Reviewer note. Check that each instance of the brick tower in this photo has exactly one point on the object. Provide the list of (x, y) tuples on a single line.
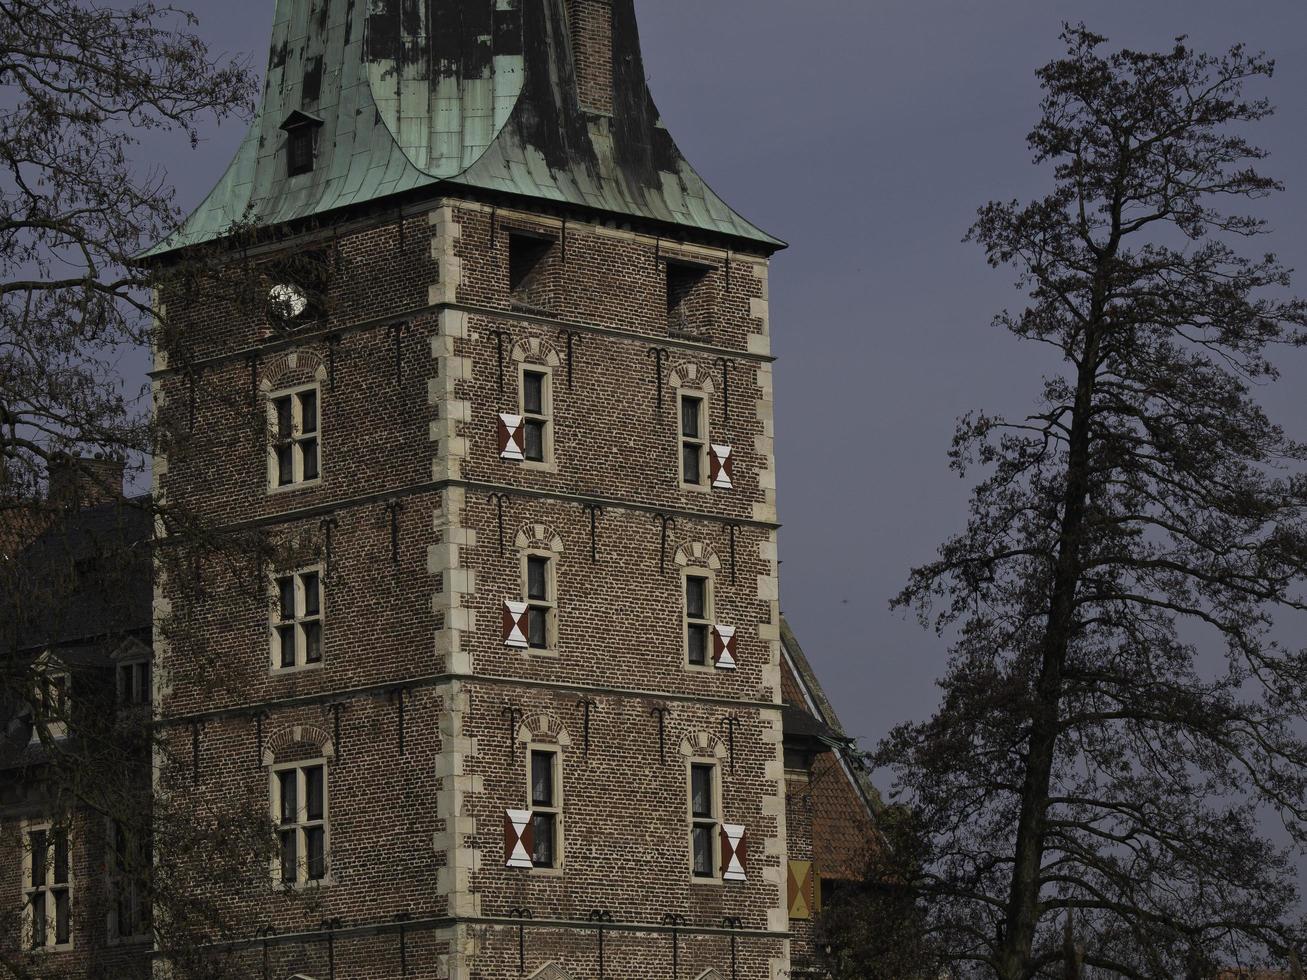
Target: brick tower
[(512, 694)]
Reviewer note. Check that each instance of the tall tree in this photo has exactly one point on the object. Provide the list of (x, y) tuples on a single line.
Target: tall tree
[(1117, 713), (82, 85), (83, 82)]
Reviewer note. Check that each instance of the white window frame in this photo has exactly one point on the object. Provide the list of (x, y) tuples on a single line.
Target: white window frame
[(300, 622), (545, 416), (549, 604), (136, 693), (709, 599), (118, 877), (298, 437), (555, 809), (48, 887), (702, 441), (302, 824), (715, 837)]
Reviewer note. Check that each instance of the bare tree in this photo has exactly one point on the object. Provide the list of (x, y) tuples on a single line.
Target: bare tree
[(83, 85), (1093, 753)]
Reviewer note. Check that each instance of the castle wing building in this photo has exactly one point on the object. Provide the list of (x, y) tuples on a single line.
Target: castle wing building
[(509, 684)]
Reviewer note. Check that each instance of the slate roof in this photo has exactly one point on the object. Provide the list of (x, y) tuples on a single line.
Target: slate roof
[(96, 562), (480, 94), (824, 723)]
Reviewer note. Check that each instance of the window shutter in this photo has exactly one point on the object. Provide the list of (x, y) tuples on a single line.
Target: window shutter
[(512, 440), (515, 615), (723, 647), (721, 467), (735, 853), (802, 885), (518, 839)]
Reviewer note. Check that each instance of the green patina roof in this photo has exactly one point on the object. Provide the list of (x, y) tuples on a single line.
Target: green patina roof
[(474, 93)]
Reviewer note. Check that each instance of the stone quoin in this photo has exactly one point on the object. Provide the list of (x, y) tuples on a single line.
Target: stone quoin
[(518, 697)]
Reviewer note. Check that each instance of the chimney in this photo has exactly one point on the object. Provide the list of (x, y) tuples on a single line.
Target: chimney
[(85, 482), (590, 29)]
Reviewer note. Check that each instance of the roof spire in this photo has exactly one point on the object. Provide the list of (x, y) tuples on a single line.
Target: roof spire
[(534, 99)]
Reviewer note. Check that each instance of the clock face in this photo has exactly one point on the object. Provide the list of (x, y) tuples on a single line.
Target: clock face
[(288, 301)]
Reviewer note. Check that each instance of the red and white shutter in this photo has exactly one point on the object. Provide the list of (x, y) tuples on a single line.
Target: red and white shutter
[(515, 616), (723, 647), (519, 839), (735, 853), (721, 467), (512, 439)]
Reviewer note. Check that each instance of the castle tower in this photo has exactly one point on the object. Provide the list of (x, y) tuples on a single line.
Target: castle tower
[(511, 690)]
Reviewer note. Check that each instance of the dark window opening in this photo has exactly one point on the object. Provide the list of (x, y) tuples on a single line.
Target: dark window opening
[(535, 415), (532, 270), (544, 808), (694, 446), (696, 620), (540, 602), (703, 813), (299, 150), (689, 298)]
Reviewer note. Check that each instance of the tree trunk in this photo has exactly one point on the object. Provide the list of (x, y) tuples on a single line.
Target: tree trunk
[(1023, 899)]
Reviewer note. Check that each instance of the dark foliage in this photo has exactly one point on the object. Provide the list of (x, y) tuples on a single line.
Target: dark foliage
[(1117, 715)]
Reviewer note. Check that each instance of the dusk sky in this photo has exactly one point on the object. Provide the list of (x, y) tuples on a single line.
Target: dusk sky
[(866, 133)]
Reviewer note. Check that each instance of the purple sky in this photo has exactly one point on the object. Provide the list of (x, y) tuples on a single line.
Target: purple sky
[(866, 134)]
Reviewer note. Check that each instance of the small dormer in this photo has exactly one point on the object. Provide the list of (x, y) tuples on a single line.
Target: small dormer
[(301, 131), (51, 681)]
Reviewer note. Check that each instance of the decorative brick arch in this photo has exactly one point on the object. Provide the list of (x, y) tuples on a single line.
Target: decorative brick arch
[(543, 727), (534, 350), (292, 368), (539, 537), (697, 554), (279, 743), (688, 374), (551, 971), (703, 745), (709, 975)]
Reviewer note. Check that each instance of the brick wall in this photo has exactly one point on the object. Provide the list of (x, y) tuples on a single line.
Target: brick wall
[(414, 595), (590, 23)]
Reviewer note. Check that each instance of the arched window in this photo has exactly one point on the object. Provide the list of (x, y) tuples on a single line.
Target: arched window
[(298, 765)]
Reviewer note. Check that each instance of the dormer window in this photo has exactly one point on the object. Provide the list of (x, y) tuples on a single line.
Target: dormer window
[(50, 700), (132, 674), (299, 151), (301, 142)]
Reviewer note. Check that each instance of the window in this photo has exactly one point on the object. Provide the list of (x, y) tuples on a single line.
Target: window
[(530, 261), (129, 868), (544, 808), (299, 150), (688, 302), (51, 703), (300, 809), (536, 410), (698, 619), (704, 822), (134, 684), (297, 626), (301, 131), (540, 602), (694, 441), (47, 886), (293, 458)]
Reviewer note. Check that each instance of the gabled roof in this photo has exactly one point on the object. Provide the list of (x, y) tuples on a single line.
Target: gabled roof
[(828, 727), (474, 93)]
